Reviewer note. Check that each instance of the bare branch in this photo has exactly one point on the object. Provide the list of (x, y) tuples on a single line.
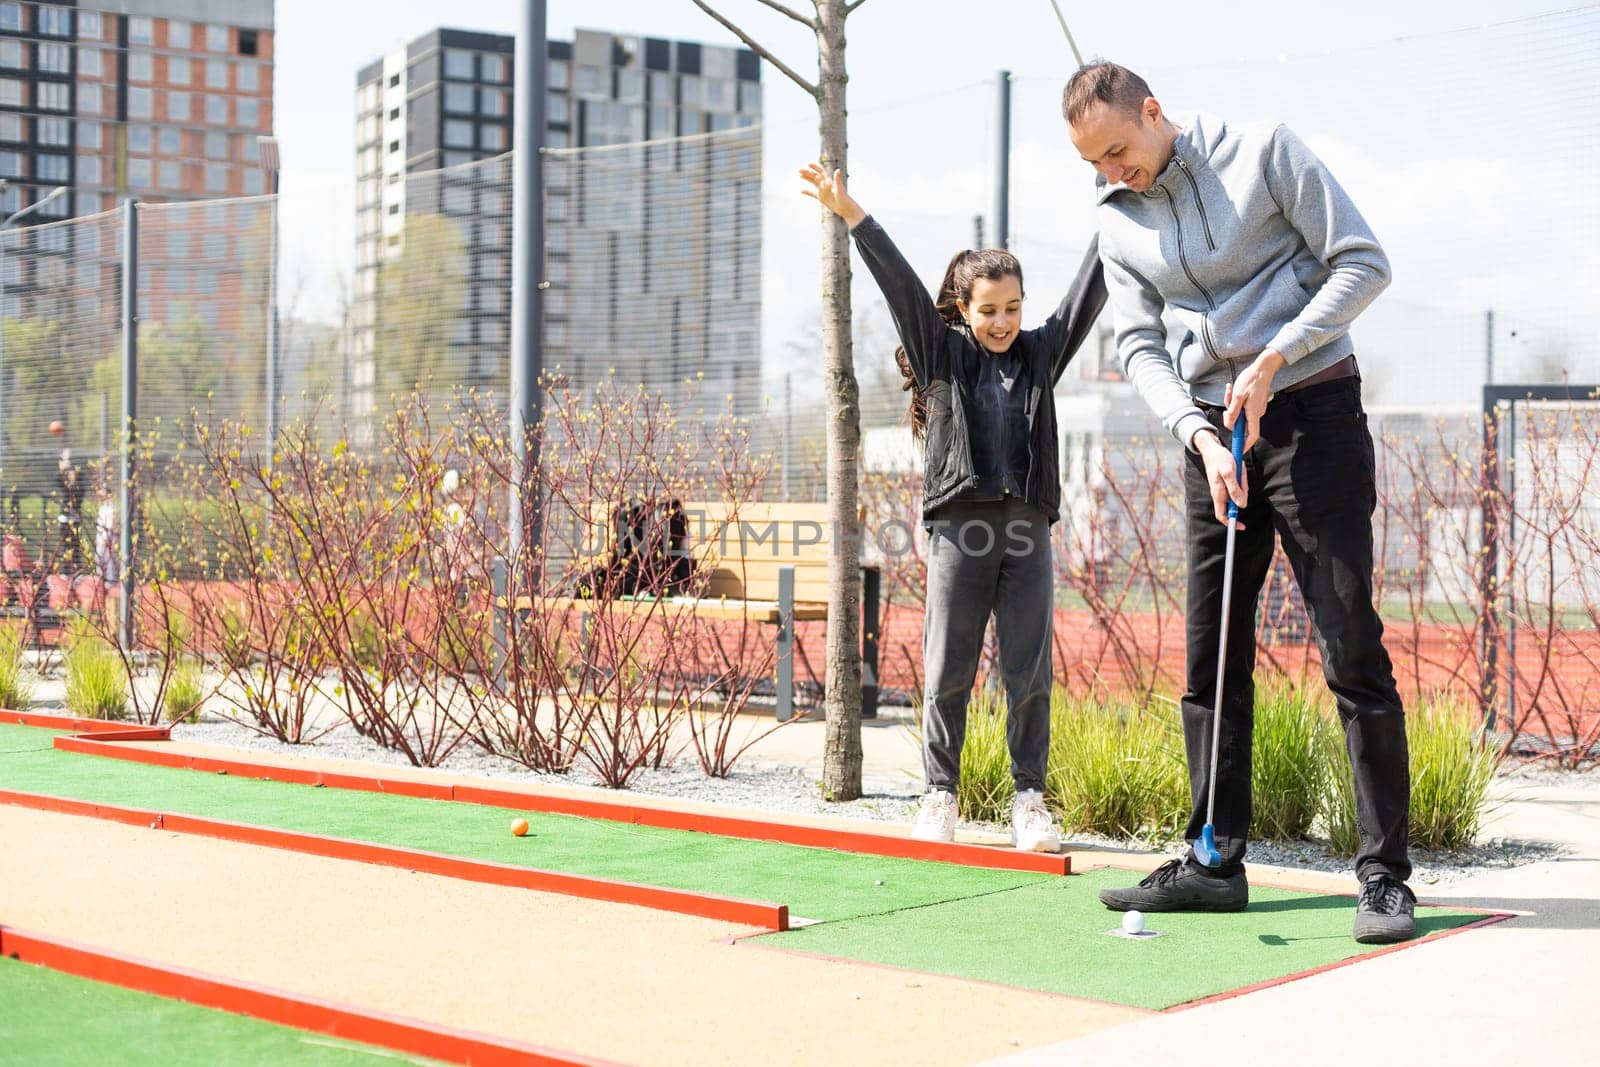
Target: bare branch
[(784, 9), (759, 50), (852, 5)]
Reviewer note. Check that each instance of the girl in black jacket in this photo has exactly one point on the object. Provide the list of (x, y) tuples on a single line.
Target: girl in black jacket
[(983, 403)]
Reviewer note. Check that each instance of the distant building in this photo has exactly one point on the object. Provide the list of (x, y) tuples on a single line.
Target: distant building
[(653, 253)]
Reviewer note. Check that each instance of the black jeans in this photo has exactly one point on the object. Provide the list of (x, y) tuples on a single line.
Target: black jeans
[(1311, 479)]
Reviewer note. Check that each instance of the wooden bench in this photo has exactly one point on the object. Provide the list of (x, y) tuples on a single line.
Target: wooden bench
[(768, 563)]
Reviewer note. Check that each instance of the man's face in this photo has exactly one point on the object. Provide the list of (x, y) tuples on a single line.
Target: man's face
[(1130, 149)]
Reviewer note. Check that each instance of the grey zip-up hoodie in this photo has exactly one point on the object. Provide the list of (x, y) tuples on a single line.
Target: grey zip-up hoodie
[(1251, 242)]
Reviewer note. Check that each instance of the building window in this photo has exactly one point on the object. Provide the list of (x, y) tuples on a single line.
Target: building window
[(247, 77), (52, 167), (91, 62), (177, 33), (141, 30), (454, 159), (54, 132), (555, 108), (254, 182), (589, 82), (458, 64), (688, 91), (55, 21), (394, 146), (492, 137), (89, 25), (140, 138), (216, 178), (13, 55), (88, 134), (178, 70), (558, 74), (171, 174), (630, 85), (90, 100), (216, 38), (663, 122), (750, 97), (217, 110), (140, 103), (141, 67), (11, 17), (492, 102), (557, 139), (216, 146), (170, 141), (178, 244), (11, 127), (251, 149), (55, 96), (178, 107), (493, 68), (249, 43), (457, 98), (88, 170), (458, 134), (11, 166), (394, 81), (139, 173), (55, 58), (247, 113), (216, 74)]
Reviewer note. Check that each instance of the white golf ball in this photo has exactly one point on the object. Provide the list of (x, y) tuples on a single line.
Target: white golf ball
[(1133, 922)]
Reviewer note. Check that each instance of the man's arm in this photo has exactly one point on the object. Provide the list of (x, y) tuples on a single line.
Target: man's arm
[(1334, 231), (1142, 346)]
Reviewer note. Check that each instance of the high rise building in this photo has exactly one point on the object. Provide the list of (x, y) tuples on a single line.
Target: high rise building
[(653, 249), (162, 100), (159, 99)]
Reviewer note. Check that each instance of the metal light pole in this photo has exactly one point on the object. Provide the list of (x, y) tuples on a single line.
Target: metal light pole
[(271, 164), (1002, 160), (527, 279), (54, 194)]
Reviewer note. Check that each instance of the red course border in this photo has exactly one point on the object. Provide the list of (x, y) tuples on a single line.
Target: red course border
[(773, 917), (101, 743), (276, 1006)]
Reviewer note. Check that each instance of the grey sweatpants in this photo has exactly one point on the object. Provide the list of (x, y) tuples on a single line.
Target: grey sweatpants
[(987, 559)]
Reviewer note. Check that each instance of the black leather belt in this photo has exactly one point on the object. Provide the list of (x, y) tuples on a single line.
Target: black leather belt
[(1345, 368)]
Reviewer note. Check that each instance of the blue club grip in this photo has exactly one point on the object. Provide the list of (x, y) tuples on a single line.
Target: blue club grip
[(1238, 460)]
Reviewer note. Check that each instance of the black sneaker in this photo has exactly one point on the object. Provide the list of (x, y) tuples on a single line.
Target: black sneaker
[(1178, 886), (1384, 912)]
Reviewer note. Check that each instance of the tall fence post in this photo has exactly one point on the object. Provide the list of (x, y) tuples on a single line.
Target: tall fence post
[(130, 406), (1002, 160)]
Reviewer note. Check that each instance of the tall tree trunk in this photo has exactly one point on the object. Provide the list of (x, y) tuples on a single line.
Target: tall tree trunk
[(841, 758)]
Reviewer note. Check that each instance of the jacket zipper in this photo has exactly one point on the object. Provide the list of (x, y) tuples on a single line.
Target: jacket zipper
[(1205, 321), (1205, 223)]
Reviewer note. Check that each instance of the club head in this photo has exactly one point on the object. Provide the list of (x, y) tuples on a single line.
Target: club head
[(1205, 849)]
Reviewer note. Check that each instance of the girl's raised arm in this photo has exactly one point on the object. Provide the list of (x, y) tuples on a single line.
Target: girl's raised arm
[(916, 319)]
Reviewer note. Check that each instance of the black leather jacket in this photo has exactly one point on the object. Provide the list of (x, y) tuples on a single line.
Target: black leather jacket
[(944, 359)]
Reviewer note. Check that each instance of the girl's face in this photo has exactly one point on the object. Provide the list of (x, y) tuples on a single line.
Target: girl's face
[(994, 312)]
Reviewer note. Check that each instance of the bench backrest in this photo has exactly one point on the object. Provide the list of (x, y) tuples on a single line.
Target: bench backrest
[(744, 547)]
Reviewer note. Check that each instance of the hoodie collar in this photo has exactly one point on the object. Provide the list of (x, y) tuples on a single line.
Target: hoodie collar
[(1198, 135)]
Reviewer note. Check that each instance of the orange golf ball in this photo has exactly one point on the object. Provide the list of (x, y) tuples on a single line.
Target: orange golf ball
[(519, 827)]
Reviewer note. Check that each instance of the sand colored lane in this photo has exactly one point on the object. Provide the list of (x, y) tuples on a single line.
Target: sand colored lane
[(604, 980)]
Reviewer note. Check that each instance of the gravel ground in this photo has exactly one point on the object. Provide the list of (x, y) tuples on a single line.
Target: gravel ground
[(794, 790)]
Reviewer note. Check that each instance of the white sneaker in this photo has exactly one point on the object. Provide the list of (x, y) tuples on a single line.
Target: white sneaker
[(936, 819), (1033, 829)]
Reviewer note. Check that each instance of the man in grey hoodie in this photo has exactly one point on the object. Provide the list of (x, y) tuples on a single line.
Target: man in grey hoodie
[(1243, 236)]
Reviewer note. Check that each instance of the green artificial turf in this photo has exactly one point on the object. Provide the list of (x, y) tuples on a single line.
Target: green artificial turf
[(1053, 937), (1029, 930), (48, 1018), (815, 883)]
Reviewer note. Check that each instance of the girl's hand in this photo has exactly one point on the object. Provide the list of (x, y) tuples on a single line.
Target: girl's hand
[(829, 190)]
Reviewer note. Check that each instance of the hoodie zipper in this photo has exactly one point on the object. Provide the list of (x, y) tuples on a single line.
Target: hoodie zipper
[(1205, 223), (1205, 321)]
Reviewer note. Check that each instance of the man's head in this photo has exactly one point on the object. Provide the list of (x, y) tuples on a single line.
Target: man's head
[(1117, 125)]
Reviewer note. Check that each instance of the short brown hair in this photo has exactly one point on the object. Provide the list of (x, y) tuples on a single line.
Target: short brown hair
[(1107, 83)]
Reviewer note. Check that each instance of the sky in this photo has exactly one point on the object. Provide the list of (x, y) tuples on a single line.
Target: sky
[(1442, 169)]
